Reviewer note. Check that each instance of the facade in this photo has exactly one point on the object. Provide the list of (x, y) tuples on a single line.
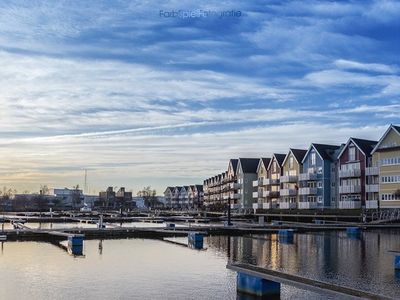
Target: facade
[(246, 174), (195, 196), (260, 195), (169, 195), (231, 186), (386, 158), (274, 173), (318, 180), (353, 160), (292, 167)]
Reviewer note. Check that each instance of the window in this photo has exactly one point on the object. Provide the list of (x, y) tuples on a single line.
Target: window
[(352, 153), (313, 158), (291, 162), (320, 184), (274, 167)]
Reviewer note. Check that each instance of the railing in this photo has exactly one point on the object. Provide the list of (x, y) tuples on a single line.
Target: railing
[(255, 183), (386, 215), (307, 205), (308, 176), (370, 171), (349, 189), (287, 205), (289, 178), (350, 173), (372, 188), (371, 204), (288, 192), (349, 204), (308, 191), (255, 194)]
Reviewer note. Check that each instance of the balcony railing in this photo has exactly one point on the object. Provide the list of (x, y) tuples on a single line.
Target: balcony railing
[(350, 189), (257, 205), (287, 205), (289, 178), (372, 188), (350, 173), (273, 194), (308, 191), (349, 204), (371, 204), (265, 194), (288, 192), (371, 171), (262, 181), (308, 176), (255, 194), (255, 183), (237, 195), (307, 205)]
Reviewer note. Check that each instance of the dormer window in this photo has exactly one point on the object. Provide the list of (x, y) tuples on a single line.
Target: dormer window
[(313, 158)]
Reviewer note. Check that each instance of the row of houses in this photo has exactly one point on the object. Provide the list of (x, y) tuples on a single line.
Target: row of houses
[(359, 174), (184, 197)]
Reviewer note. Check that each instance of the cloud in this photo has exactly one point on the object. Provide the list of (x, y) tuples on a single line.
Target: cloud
[(353, 65)]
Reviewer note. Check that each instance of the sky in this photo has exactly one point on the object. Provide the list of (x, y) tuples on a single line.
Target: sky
[(141, 93)]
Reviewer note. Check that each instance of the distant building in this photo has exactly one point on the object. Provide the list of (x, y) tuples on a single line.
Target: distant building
[(68, 198), (110, 199)]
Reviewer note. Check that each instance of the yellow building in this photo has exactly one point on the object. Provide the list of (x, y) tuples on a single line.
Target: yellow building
[(386, 156)]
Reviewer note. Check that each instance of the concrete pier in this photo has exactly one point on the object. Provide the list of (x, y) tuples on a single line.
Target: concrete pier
[(75, 244), (257, 286)]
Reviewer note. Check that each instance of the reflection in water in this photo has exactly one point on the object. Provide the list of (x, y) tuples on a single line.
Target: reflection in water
[(362, 263), (101, 247)]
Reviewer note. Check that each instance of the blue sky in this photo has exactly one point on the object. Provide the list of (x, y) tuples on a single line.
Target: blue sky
[(142, 99)]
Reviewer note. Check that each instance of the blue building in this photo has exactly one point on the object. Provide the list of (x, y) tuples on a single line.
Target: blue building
[(318, 179)]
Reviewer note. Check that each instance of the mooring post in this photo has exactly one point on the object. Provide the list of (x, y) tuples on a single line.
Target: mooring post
[(195, 240), (256, 286)]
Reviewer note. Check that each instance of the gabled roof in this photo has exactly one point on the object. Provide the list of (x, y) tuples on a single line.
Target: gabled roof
[(234, 163), (264, 161), (394, 127), (278, 157), (171, 188), (365, 146), (326, 152), (297, 153), (249, 165), (199, 187)]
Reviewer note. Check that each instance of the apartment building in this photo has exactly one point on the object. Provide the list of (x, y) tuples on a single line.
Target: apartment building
[(260, 195), (274, 173), (386, 157), (353, 160), (318, 180), (246, 174), (195, 196), (289, 190)]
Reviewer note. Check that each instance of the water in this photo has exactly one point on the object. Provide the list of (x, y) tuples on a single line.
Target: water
[(152, 269)]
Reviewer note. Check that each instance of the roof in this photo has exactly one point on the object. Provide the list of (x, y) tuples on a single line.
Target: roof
[(278, 157), (326, 151), (265, 161), (234, 163), (249, 165), (394, 127), (366, 146), (297, 153)]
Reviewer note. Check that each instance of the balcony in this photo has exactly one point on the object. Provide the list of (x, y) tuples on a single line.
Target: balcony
[(273, 194), (255, 195), (288, 192), (371, 171), (287, 205), (236, 185), (308, 205), (308, 191), (265, 194), (372, 188), (255, 183), (350, 204), (235, 206), (308, 176), (225, 197), (237, 195), (289, 178), (350, 189), (371, 204), (262, 181), (257, 205), (266, 205), (349, 173)]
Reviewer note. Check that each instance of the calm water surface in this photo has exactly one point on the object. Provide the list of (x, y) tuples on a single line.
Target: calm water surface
[(152, 269)]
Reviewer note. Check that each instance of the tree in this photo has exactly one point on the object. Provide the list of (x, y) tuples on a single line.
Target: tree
[(149, 196)]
